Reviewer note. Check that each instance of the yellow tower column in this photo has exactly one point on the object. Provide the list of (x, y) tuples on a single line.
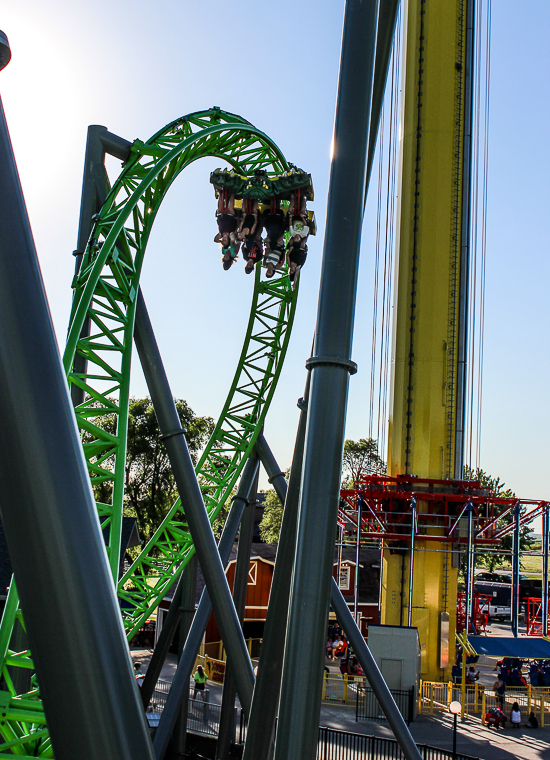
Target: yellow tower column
[(424, 355)]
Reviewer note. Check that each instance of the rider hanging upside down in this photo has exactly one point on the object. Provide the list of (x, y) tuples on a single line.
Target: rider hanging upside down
[(275, 241), (297, 245), (230, 251), (252, 253), (250, 232), (249, 221), (225, 216)]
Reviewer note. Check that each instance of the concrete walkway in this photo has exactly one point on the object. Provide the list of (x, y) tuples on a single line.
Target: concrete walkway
[(437, 731)]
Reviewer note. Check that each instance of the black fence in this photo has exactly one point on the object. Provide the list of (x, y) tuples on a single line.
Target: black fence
[(341, 745), (367, 706), (203, 717)]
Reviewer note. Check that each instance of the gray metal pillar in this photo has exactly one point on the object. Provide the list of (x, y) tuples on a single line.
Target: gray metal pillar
[(240, 587), (357, 558), (395, 719), (191, 496), (469, 584), (187, 612), (373, 674), (515, 571), (180, 684), (162, 646), (330, 365), (411, 561), (95, 188), (52, 529), (545, 546), (261, 725), (172, 619), (375, 678)]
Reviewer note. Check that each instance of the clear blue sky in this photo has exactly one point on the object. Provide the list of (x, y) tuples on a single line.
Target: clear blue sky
[(135, 66)]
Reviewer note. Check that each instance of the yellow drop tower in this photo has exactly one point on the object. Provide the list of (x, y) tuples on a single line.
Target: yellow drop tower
[(425, 402)]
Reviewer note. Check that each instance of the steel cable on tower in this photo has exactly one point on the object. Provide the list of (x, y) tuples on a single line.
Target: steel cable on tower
[(484, 231), (389, 240), (376, 272)]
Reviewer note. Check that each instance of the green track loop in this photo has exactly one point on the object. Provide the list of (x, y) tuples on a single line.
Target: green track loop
[(105, 293)]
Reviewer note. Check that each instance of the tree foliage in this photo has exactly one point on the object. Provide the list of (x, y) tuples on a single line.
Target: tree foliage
[(150, 489), (270, 526), (494, 560), (361, 457)]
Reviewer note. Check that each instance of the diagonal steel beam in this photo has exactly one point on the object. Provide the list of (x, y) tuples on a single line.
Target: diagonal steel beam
[(191, 496), (370, 668), (330, 366), (259, 736), (52, 528), (180, 685)]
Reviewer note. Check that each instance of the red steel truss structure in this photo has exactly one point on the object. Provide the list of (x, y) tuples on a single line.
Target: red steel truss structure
[(389, 505)]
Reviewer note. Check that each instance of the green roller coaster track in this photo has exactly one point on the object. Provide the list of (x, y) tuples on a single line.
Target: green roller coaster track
[(101, 330)]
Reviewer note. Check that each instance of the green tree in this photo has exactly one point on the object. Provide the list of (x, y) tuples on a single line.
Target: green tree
[(150, 489), (270, 526), (494, 560), (361, 457)]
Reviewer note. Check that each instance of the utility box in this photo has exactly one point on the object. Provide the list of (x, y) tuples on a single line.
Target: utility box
[(396, 650)]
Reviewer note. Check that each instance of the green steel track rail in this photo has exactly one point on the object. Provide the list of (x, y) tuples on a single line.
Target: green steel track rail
[(105, 291)]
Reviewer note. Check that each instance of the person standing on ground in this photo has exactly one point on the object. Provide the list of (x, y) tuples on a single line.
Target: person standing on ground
[(499, 687), (139, 676), (515, 716), (200, 681)]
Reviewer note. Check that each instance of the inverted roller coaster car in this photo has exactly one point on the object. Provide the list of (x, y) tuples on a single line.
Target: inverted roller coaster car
[(262, 187), (263, 208)]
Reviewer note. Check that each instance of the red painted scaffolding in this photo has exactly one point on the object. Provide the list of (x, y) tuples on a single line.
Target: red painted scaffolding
[(388, 504), (533, 617)]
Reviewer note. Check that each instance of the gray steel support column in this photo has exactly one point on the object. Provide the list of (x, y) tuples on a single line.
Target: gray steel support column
[(240, 587), (411, 561), (469, 579), (180, 684), (373, 674), (162, 646), (345, 618), (357, 558), (187, 612), (261, 725), (330, 365), (191, 496), (95, 188), (515, 571), (545, 546), (50, 519), (463, 303), (387, 17), (172, 619)]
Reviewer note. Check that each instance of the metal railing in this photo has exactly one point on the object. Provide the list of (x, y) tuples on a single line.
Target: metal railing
[(346, 746), (341, 689), (480, 699), (367, 706), (203, 717), (216, 651)]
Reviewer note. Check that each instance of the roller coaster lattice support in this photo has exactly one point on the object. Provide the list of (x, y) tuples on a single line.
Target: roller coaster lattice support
[(105, 295)]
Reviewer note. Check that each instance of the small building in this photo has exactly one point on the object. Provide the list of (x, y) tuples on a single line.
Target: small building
[(368, 581)]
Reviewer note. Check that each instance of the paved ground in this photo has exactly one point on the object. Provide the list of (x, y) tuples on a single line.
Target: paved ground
[(472, 738), (437, 730)]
